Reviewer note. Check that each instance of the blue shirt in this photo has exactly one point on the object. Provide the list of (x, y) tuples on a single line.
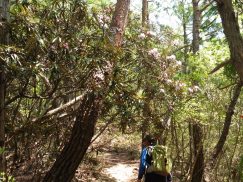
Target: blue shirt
[(143, 163)]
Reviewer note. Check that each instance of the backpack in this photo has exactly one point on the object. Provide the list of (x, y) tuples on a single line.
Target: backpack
[(158, 160)]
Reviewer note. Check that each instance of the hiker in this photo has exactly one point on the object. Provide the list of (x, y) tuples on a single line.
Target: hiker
[(145, 162)]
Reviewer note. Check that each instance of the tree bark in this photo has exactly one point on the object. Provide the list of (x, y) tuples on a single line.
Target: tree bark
[(228, 119), (145, 14), (71, 156), (119, 21), (197, 132), (146, 106), (198, 167), (185, 37), (196, 26), (63, 170), (4, 40), (232, 33)]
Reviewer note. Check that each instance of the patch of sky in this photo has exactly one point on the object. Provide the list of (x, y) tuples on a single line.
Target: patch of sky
[(160, 12)]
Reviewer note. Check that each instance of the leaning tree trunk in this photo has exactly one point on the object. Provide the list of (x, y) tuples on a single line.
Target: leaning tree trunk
[(220, 144), (232, 33), (64, 168), (4, 5), (228, 118), (71, 156), (197, 132)]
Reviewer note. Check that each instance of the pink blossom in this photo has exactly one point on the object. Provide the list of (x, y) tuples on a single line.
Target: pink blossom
[(196, 88), (171, 57), (165, 75), (154, 52), (162, 90), (190, 90), (179, 63), (65, 45), (142, 36), (99, 75), (182, 84), (151, 33), (168, 81)]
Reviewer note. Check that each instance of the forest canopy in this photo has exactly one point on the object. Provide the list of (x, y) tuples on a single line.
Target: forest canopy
[(71, 70)]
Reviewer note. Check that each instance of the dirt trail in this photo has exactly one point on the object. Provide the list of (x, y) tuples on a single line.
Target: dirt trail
[(121, 167)]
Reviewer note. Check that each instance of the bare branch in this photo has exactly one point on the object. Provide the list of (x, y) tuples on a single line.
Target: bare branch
[(104, 128), (59, 109), (46, 81), (180, 48), (220, 66)]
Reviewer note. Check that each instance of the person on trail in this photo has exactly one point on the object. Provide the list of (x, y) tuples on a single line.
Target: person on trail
[(145, 162)]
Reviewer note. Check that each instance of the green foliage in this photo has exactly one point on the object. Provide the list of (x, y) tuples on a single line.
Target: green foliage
[(2, 150), (4, 177), (241, 168), (62, 49), (230, 71), (183, 11)]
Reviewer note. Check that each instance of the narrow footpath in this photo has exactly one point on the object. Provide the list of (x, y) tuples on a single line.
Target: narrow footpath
[(121, 167)]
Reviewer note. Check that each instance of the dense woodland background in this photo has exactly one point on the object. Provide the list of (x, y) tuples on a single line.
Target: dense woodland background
[(73, 69)]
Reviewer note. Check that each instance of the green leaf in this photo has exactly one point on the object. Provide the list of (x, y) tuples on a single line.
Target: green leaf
[(33, 20), (2, 149)]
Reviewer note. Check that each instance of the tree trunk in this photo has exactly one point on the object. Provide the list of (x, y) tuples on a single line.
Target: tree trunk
[(185, 37), (235, 41), (232, 33), (2, 118), (197, 132), (119, 21), (228, 118), (145, 14), (196, 26), (4, 39), (71, 156), (146, 106), (219, 146), (198, 167)]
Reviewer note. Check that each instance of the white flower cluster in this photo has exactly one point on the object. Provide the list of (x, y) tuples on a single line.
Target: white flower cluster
[(154, 53), (146, 34), (171, 58), (151, 33), (168, 81), (162, 90), (179, 85), (178, 63), (194, 89), (142, 36), (104, 20), (99, 75)]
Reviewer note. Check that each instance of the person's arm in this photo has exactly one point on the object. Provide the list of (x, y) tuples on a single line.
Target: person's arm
[(142, 165)]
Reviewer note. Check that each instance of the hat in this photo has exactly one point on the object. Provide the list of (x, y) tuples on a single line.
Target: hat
[(147, 138)]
